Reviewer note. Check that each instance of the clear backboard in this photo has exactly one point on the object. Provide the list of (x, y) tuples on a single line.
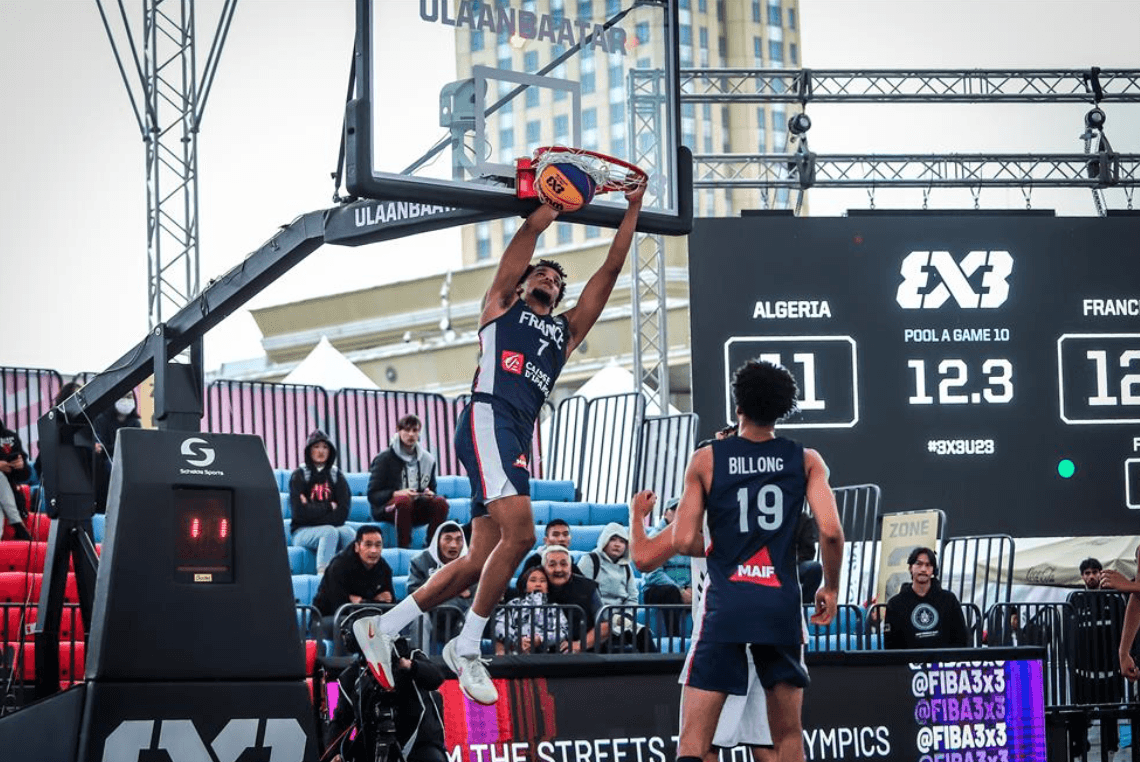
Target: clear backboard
[(450, 93)]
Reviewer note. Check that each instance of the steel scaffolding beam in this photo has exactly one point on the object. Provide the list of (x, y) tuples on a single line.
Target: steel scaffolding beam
[(910, 86)]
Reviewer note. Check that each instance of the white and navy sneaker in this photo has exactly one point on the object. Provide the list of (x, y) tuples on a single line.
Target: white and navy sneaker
[(474, 679)]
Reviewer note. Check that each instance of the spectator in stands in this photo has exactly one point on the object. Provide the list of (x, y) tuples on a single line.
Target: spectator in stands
[(569, 589), (670, 583), (609, 566), (123, 415), (530, 623), (14, 467), (923, 615), (557, 533), (447, 544), (358, 574), (319, 499), (810, 570), (1005, 627), (1090, 573), (401, 488)]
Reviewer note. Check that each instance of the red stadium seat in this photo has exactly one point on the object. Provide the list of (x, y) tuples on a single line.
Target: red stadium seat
[(310, 656), (72, 666), (22, 556), (70, 623), (20, 587)]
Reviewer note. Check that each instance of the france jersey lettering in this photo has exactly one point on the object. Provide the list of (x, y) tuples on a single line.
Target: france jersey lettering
[(753, 590), (521, 354)]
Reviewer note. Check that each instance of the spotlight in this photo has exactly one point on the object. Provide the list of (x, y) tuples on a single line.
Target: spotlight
[(1095, 119), (801, 123)]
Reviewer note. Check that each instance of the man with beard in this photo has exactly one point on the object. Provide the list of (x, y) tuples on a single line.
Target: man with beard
[(923, 615), (523, 347)]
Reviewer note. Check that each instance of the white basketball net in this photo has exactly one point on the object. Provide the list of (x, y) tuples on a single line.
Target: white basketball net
[(605, 174)]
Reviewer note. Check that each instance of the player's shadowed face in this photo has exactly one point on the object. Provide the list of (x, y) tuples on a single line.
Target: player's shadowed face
[(369, 547)]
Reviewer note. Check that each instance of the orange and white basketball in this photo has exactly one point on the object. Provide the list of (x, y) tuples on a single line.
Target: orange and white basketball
[(564, 187)]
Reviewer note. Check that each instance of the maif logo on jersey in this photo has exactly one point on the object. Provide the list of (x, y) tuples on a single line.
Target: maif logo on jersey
[(513, 362), (930, 278), (757, 570)]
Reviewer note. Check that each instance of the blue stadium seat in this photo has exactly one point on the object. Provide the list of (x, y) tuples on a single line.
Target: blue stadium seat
[(285, 511), (301, 560), (358, 483), (541, 510), (555, 490), (453, 486), (360, 511), (585, 538), (399, 559), (419, 537), (459, 509), (305, 587), (388, 532), (282, 475), (400, 587), (604, 513), (574, 514), (288, 532), (98, 527)]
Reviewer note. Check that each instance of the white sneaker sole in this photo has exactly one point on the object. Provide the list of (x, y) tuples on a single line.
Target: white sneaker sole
[(452, 662)]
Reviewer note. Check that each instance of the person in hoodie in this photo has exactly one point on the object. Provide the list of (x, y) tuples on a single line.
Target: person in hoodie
[(401, 487), (923, 615), (319, 499), (14, 469), (609, 566), (447, 544)]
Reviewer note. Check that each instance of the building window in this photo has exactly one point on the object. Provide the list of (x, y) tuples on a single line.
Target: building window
[(707, 126), (724, 132), (791, 18), (704, 38), (641, 31), (483, 241), (587, 67), (585, 9), (794, 53), (593, 231), (779, 129), (685, 5), (530, 61), (476, 40), (612, 7), (565, 233), (776, 53), (532, 97), (775, 17), (617, 146), (510, 225), (781, 197), (507, 145), (756, 11), (722, 48), (533, 135), (703, 6), (757, 52), (590, 129), (761, 130), (689, 125), (562, 130)]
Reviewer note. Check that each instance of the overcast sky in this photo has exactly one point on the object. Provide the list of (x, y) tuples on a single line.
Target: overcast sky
[(72, 194)]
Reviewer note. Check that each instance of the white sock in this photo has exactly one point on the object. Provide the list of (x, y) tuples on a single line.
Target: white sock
[(400, 616), (470, 640)]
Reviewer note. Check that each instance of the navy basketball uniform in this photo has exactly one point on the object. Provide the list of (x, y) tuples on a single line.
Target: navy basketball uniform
[(752, 592), (521, 354)]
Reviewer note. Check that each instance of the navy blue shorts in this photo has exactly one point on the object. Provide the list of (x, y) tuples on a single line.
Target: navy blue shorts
[(723, 667), (495, 452)]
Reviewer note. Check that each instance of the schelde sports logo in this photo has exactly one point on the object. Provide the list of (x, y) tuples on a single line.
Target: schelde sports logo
[(978, 281), (197, 452), (513, 363)]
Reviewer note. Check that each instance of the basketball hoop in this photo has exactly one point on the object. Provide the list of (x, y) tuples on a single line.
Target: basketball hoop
[(608, 172)]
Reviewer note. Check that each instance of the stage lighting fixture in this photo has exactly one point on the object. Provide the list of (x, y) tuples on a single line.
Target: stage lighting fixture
[(799, 124), (1095, 119)]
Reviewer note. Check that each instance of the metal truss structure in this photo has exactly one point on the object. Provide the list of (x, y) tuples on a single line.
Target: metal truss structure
[(168, 108)]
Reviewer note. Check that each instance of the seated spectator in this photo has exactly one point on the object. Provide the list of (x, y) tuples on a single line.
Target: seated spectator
[(401, 487), (923, 615), (319, 499), (1090, 573), (123, 415), (14, 467), (445, 546), (569, 589), (530, 623), (358, 574), (609, 566), (557, 533), (810, 570), (670, 583)]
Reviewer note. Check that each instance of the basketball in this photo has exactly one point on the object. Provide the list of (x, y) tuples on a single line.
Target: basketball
[(564, 187)]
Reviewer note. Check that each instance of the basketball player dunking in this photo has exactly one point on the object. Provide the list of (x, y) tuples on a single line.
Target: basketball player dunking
[(523, 347), (748, 490)]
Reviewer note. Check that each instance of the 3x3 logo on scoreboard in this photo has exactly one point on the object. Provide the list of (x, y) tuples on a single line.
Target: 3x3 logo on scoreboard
[(826, 369)]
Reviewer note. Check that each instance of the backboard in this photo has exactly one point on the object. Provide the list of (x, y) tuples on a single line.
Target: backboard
[(450, 93)]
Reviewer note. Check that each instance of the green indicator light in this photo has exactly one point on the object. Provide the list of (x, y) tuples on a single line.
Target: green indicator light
[(1066, 468)]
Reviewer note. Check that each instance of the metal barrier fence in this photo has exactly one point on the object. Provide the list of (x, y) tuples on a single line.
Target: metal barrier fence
[(1036, 624), (859, 515), (25, 395), (595, 445), (643, 629), (666, 444), (17, 650), (978, 568), (283, 415), (364, 422)]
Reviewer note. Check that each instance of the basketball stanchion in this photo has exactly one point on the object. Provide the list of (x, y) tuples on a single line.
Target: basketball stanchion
[(569, 178)]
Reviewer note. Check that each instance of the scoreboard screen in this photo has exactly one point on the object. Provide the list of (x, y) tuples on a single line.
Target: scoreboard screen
[(984, 364)]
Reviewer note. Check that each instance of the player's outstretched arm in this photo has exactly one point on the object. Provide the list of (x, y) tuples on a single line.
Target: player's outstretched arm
[(822, 502), (647, 553), (687, 537), (597, 291), (501, 295)]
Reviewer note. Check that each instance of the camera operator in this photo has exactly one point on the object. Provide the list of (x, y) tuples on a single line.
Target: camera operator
[(402, 725)]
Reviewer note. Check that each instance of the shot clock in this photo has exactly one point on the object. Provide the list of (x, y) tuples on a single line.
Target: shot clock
[(984, 364)]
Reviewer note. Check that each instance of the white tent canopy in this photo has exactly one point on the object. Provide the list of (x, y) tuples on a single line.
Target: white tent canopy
[(614, 379), (326, 366)]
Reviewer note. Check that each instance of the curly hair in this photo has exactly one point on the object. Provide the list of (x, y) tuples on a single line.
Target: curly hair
[(764, 392), (553, 266)]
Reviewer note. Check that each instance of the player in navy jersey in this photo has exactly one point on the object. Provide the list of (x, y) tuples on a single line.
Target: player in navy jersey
[(741, 500), (523, 347)]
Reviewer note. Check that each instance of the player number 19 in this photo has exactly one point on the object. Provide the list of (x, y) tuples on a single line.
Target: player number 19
[(769, 501)]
